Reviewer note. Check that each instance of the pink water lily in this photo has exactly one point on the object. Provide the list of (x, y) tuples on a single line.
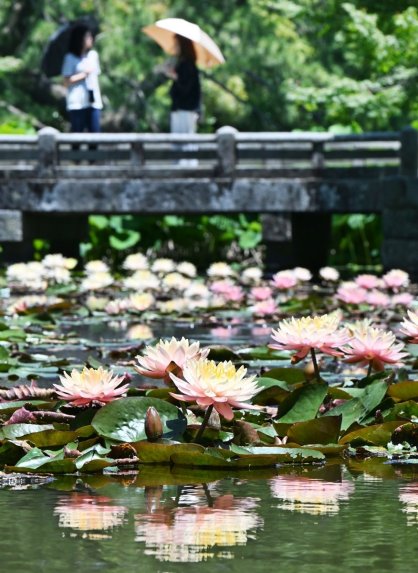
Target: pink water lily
[(89, 386), (320, 333), (219, 385), (409, 326), (168, 355), (373, 347)]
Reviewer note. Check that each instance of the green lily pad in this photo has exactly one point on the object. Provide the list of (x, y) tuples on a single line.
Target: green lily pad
[(155, 453), (323, 430), (404, 390), (124, 419), (303, 403), (376, 435)]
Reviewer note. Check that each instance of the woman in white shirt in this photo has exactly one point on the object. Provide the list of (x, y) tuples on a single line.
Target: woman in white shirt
[(81, 69)]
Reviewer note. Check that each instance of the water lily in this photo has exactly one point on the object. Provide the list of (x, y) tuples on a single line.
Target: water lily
[(284, 280), (187, 269), (396, 279), (215, 385), (163, 266), (350, 293), (409, 326), (89, 386), (310, 334), (373, 347), (159, 360), (367, 281), (135, 262), (329, 274), (220, 270)]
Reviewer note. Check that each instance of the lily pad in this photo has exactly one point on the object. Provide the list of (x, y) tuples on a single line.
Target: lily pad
[(155, 453), (124, 419), (303, 403), (323, 430)]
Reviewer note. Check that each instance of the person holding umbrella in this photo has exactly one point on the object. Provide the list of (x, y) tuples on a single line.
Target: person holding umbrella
[(192, 47), (185, 90), (81, 70)]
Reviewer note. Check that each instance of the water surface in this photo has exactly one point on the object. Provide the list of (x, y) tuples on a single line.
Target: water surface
[(291, 519)]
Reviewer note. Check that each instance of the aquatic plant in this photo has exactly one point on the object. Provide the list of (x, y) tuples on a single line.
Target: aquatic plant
[(90, 386)]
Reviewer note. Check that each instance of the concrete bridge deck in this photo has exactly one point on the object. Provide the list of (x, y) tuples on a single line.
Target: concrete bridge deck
[(58, 174)]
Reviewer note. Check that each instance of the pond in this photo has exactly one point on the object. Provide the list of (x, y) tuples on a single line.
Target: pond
[(315, 470), (363, 516)]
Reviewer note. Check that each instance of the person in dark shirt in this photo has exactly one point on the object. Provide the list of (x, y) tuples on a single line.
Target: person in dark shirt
[(185, 90)]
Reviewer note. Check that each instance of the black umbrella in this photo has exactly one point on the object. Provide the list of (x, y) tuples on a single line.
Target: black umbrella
[(57, 45)]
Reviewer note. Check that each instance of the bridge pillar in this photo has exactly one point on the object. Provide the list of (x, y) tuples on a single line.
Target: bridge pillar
[(400, 210)]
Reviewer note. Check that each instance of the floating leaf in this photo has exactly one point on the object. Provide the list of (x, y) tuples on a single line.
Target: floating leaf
[(404, 390), (376, 435), (288, 375), (303, 403), (124, 419), (323, 430), (156, 453)]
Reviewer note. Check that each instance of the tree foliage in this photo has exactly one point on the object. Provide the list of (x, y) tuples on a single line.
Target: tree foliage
[(291, 64)]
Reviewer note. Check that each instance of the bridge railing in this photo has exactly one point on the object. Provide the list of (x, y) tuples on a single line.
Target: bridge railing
[(225, 153)]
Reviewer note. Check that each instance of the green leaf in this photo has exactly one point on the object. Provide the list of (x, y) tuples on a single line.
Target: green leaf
[(376, 435), (288, 375), (50, 438), (303, 403), (404, 390), (323, 430), (124, 419), (159, 453), (271, 391), (18, 430)]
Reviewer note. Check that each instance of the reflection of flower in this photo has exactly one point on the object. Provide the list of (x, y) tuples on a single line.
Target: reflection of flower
[(140, 332), (409, 496), (373, 346), (307, 495), (140, 302), (89, 513), (319, 332), (90, 385), (220, 385), (157, 359), (195, 534)]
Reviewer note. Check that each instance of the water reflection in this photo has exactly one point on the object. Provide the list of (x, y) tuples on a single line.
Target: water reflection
[(313, 496), (408, 495), (89, 514), (200, 526)]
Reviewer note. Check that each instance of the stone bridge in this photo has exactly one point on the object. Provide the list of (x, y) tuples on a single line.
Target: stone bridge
[(51, 182)]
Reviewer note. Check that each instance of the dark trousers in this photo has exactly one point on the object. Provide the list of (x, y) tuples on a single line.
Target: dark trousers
[(87, 119)]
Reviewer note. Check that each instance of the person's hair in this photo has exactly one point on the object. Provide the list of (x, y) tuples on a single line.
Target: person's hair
[(186, 48), (76, 43)]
